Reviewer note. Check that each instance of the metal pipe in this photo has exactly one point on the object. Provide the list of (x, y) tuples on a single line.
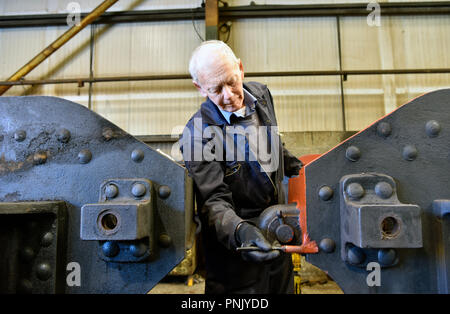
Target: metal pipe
[(82, 81), (236, 12), (27, 68)]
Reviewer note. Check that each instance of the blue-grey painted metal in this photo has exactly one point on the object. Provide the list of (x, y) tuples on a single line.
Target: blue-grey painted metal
[(381, 202), (55, 150)]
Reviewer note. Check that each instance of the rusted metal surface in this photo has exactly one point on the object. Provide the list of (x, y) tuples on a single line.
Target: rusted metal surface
[(55, 150)]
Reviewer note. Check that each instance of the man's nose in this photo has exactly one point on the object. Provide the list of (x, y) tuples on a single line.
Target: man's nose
[(227, 92)]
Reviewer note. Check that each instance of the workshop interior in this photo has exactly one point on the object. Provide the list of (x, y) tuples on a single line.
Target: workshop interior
[(94, 95)]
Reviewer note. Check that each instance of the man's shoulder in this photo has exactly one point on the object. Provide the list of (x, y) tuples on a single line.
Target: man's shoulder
[(255, 87)]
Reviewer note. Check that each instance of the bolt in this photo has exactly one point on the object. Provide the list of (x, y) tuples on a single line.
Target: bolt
[(384, 129), (355, 190), (63, 135), (111, 190), (39, 158), (137, 155), (27, 254), (20, 135), (138, 249), (383, 189), (44, 271), (325, 193), (284, 233), (353, 153), (327, 245), (138, 190), (85, 156), (164, 240), (355, 255), (164, 191), (409, 152), (47, 239), (386, 256), (432, 128), (110, 248)]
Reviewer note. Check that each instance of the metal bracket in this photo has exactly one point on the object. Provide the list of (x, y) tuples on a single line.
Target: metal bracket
[(372, 217), (122, 221)]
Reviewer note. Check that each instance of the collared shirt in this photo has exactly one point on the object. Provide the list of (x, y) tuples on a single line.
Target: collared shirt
[(247, 109)]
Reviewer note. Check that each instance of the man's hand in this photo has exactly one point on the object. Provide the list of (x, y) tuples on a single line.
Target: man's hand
[(249, 235)]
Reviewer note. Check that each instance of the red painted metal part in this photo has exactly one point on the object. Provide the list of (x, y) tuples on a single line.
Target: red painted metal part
[(297, 194)]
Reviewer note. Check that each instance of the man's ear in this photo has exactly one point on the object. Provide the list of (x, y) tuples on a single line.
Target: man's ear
[(200, 89), (241, 67)]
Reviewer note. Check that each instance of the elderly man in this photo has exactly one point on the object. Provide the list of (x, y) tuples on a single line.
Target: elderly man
[(233, 152)]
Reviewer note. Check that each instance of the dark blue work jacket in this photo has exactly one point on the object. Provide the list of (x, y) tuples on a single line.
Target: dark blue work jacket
[(230, 190)]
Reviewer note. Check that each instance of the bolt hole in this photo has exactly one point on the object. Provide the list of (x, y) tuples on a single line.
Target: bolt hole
[(390, 227), (109, 222)]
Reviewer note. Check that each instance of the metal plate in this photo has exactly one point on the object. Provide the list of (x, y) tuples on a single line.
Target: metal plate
[(54, 149), (411, 146)]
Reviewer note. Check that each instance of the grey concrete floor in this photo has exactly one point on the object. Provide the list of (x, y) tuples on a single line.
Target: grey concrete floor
[(313, 281)]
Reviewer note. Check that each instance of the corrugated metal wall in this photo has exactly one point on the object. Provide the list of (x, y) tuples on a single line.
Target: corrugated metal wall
[(311, 103)]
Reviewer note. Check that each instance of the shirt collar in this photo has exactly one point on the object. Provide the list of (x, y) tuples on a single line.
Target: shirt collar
[(249, 102)]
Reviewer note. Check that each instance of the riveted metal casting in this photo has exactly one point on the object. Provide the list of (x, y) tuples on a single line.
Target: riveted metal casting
[(390, 204), (115, 203)]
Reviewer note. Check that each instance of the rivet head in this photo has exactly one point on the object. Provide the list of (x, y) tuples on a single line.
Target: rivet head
[(111, 190), (47, 239), (164, 191), (85, 156), (383, 189), (138, 189), (327, 245), (138, 249), (44, 271), (409, 152), (432, 128), (20, 135), (384, 129), (325, 193), (353, 153), (355, 190), (39, 158), (110, 248), (27, 254), (355, 255), (386, 256), (137, 155), (63, 135), (164, 240)]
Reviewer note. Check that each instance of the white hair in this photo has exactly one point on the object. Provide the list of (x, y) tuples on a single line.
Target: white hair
[(207, 51)]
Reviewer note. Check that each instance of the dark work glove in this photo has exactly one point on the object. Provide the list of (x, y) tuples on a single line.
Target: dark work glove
[(249, 235), (292, 165)]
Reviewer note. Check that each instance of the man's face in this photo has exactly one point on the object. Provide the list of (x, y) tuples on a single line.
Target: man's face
[(222, 83)]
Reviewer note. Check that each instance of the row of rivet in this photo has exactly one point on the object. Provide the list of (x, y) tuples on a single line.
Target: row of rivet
[(43, 269), (356, 255), (112, 248), (138, 190), (356, 191), (409, 152)]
